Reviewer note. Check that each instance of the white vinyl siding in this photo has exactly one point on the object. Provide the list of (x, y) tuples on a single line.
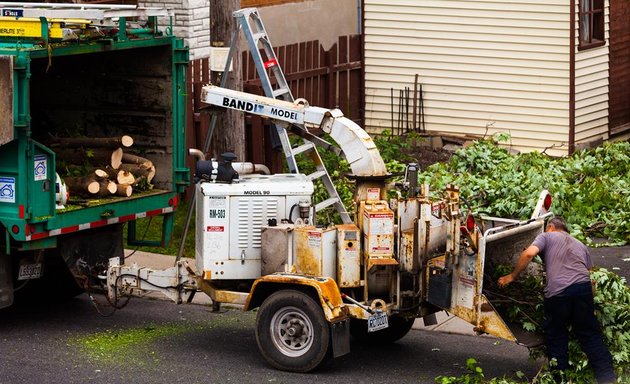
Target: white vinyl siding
[(591, 89), (485, 66)]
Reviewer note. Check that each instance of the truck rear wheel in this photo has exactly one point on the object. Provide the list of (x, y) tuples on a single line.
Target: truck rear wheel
[(398, 327), (292, 332)]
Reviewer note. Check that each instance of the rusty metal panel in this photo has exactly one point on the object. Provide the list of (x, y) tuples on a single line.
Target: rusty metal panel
[(408, 262), (378, 229), (349, 256), (6, 99), (276, 248), (315, 251)]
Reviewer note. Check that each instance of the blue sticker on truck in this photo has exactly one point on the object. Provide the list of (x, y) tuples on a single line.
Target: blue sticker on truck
[(12, 12), (7, 190), (40, 167)]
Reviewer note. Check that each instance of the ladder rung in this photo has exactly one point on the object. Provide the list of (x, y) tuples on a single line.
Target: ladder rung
[(303, 148), (259, 35), (326, 203), (279, 92), (316, 175)]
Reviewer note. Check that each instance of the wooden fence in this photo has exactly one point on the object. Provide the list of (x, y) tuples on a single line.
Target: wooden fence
[(325, 78)]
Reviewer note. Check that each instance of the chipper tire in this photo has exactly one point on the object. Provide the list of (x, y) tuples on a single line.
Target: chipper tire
[(398, 327), (292, 332)]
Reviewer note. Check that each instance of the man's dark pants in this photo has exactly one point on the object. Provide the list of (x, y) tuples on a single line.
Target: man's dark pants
[(574, 307)]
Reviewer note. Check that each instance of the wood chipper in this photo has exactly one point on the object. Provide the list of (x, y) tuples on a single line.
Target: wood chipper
[(258, 245)]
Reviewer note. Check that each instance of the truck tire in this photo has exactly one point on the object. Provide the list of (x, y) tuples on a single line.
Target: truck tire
[(292, 332), (399, 326)]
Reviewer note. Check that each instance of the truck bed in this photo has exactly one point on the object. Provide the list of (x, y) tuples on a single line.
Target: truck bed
[(97, 89)]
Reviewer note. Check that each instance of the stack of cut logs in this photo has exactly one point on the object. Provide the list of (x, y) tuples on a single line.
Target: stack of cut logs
[(109, 173)]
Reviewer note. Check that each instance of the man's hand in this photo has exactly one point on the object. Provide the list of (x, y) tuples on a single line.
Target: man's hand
[(505, 280), (526, 256)]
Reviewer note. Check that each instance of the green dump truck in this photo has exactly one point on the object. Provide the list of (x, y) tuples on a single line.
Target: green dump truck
[(71, 76)]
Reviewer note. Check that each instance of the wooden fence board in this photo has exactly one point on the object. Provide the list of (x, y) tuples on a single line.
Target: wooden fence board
[(356, 92), (343, 95)]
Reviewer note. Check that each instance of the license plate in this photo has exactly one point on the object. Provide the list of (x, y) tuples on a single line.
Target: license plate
[(377, 322), (30, 271)]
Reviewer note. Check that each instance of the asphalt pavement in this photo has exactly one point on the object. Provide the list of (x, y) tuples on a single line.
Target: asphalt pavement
[(152, 341)]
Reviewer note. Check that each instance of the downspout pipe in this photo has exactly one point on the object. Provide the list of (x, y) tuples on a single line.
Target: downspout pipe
[(572, 21), (359, 16)]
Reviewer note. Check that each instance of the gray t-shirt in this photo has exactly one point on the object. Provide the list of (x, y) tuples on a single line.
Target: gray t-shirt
[(567, 261)]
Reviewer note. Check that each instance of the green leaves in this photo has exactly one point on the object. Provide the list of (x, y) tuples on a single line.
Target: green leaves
[(591, 188)]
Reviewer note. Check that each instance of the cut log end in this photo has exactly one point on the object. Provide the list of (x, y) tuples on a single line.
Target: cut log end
[(116, 158), (125, 177), (124, 190), (93, 187), (126, 141), (101, 174)]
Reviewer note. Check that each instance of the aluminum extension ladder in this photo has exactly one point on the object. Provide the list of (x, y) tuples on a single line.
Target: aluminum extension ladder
[(250, 23)]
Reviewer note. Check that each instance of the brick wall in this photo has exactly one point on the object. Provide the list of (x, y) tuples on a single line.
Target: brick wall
[(191, 22)]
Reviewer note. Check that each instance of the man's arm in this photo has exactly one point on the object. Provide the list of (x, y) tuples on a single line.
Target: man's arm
[(526, 256)]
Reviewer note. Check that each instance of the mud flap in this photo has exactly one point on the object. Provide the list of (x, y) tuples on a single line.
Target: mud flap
[(6, 282), (340, 334)]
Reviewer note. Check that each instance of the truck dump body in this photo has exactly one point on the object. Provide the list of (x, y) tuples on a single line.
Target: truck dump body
[(110, 74), (97, 90)]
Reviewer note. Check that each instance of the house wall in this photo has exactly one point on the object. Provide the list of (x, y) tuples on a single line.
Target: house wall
[(286, 21), (485, 66), (289, 22), (591, 89)]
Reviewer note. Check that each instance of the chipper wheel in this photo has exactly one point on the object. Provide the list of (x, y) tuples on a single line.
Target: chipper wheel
[(292, 332)]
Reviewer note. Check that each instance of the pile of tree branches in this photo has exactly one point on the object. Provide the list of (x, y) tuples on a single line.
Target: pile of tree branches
[(591, 188)]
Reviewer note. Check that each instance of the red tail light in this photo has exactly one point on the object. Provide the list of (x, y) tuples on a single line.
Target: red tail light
[(547, 202), (470, 223)]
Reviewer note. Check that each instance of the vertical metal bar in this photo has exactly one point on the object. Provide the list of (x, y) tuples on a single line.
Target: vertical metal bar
[(391, 105), (415, 97)]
